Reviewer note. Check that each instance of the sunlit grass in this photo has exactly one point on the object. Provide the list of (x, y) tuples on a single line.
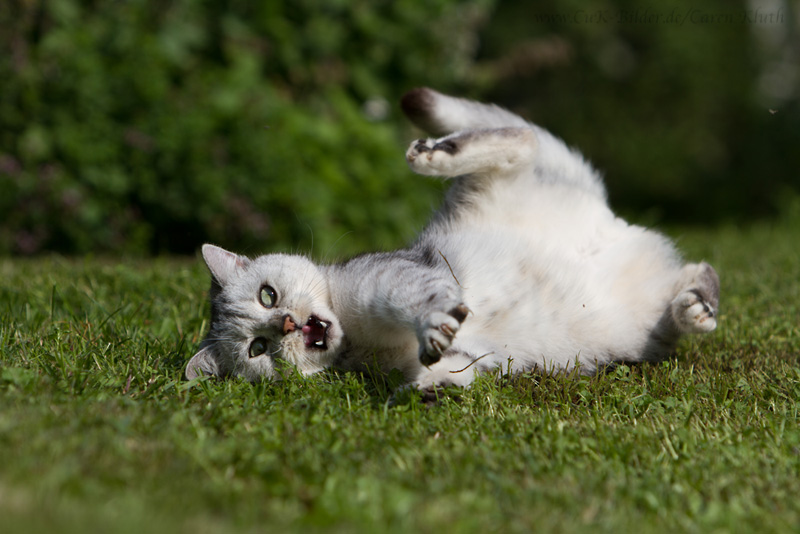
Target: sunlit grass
[(98, 431)]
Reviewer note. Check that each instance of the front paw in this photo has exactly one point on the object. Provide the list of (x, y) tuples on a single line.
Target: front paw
[(437, 332)]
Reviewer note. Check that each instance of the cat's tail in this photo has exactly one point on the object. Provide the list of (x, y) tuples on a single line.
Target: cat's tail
[(440, 114)]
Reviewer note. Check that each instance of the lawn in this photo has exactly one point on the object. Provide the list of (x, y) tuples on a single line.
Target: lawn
[(98, 432)]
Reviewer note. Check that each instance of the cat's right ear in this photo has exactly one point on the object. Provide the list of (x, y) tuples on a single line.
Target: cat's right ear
[(223, 264), (202, 364)]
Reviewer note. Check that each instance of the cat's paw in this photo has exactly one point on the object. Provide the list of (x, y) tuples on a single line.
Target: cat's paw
[(432, 157), (437, 331), (694, 312), (695, 308)]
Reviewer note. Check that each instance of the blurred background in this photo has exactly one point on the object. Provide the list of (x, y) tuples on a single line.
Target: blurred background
[(150, 127)]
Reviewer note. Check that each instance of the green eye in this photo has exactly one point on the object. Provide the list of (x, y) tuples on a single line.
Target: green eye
[(258, 347), (268, 297)]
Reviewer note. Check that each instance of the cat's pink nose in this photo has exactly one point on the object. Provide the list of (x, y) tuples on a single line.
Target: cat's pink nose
[(288, 325)]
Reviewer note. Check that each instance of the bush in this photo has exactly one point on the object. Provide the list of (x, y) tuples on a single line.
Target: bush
[(147, 126)]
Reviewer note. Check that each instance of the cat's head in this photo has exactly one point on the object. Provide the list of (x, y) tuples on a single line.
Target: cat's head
[(266, 312)]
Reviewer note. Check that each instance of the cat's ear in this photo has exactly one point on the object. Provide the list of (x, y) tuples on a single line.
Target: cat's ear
[(223, 264), (202, 364)]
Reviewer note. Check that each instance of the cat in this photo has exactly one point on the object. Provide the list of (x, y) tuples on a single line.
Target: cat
[(524, 267)]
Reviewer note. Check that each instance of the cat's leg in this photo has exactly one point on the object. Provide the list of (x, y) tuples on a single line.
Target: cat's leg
[(401, 291), (440, 114), (695, 308), (489, 151)]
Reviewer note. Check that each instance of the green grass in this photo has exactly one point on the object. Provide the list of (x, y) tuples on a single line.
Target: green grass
[(99, 433)]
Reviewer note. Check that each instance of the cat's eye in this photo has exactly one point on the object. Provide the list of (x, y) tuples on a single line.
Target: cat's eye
[(258, 347), (268, 297)]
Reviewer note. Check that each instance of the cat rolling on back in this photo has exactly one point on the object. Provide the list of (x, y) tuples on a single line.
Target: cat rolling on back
[(523, 267)]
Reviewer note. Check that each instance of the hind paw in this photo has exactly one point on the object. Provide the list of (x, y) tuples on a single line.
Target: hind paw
[(693, 312), (431, 157)]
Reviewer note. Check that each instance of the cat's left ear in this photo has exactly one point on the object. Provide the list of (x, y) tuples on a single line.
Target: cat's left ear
[(223, 264), (202, 364)]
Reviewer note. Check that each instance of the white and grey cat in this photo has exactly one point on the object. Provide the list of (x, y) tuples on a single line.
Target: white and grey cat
[(523, 267)]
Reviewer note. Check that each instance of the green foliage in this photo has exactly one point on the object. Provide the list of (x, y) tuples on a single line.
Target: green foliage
[(154, 126), (99, 433)]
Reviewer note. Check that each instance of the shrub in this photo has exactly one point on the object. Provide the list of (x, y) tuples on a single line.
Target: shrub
[(147, 126)]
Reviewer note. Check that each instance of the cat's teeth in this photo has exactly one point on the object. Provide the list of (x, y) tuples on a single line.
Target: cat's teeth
[(319, 343)]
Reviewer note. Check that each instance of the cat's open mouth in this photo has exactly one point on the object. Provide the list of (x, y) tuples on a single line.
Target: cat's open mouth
[(315, 333)]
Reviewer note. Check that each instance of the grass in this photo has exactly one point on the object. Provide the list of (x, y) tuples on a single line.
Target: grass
[(99, 433)]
